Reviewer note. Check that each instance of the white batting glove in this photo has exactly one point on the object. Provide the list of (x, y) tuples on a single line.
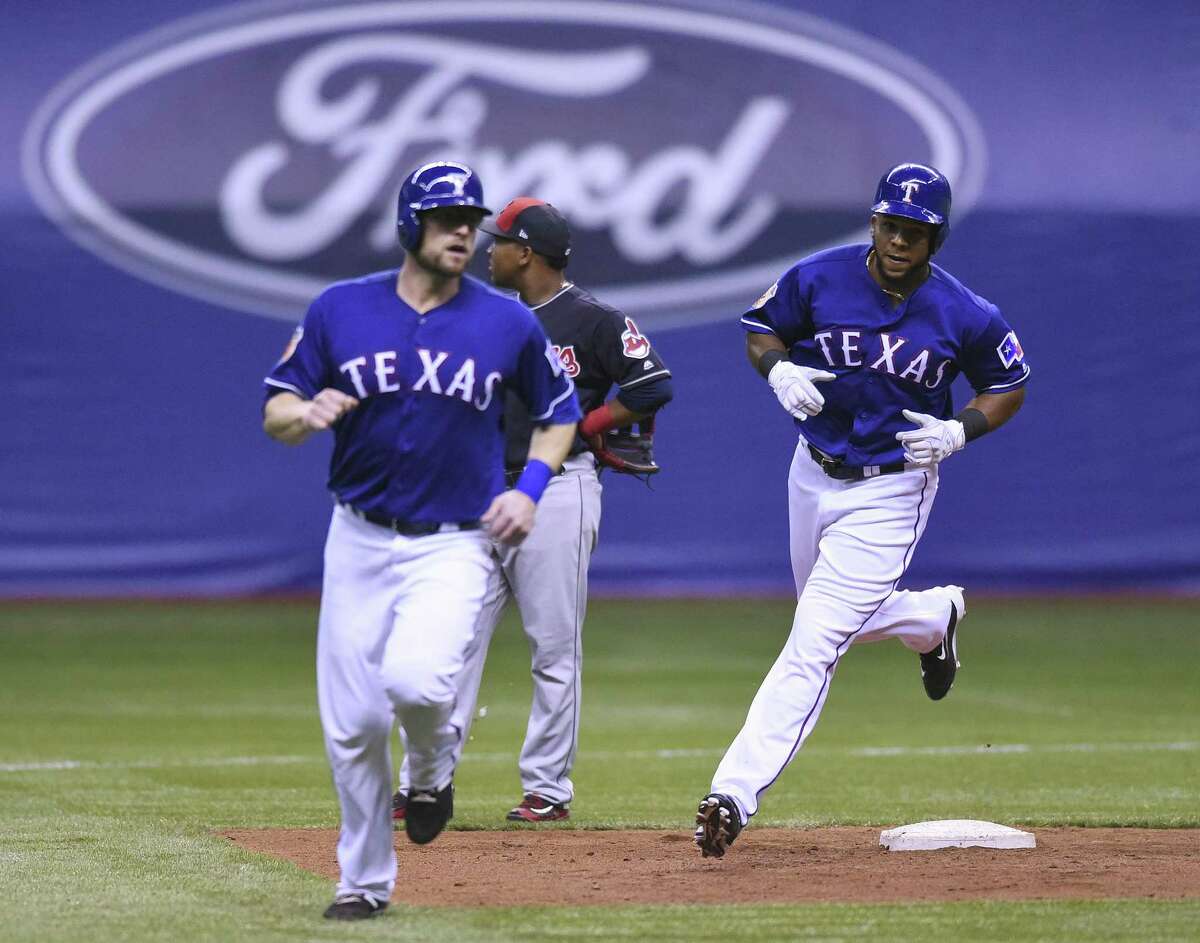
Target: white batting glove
[(933, 441), (326, 408), (795, 388)]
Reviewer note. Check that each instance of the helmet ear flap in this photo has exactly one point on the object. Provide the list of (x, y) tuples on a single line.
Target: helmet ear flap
[(939, 236), (408, 227)]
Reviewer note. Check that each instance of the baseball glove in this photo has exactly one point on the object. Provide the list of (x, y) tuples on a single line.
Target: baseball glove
[(626, 451)]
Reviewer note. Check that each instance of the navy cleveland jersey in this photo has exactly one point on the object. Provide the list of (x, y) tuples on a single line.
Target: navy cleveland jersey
[(425, 442), (598, 346), (832, 315)]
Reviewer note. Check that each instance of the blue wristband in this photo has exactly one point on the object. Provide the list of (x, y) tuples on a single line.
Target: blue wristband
[(534, 478)]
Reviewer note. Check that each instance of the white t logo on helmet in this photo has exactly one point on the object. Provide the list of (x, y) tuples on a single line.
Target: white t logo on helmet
[(910, 187), (458, 183)]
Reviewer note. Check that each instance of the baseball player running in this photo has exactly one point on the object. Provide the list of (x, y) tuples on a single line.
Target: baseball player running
[(861, 345), (547, 574), (410, 369)]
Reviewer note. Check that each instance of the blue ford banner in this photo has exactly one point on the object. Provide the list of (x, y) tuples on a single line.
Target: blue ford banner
[(180, 181)]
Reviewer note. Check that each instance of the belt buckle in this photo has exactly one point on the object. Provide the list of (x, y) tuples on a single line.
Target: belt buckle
[(827, 463)]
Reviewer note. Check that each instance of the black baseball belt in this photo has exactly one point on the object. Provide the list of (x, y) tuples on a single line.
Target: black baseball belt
[(834, 468), (412, 528)]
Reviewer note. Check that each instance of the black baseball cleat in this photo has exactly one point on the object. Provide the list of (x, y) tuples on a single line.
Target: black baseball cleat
[(427, 812), (939, 666), (399, 806), (354, 907), (717, 824)]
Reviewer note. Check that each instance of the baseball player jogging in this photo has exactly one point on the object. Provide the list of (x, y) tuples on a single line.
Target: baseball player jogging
[(547, 574), (410, 369), (861, 344)]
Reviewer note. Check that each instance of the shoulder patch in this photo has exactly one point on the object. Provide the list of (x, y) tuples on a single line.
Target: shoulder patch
[(1010, 351), (291, 346), (633, 344), (765, 296)]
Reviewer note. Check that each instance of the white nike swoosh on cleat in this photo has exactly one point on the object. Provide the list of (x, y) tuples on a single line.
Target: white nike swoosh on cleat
[(545, 810)]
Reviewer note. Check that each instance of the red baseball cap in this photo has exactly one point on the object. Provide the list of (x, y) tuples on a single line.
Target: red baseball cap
[(534, 223)]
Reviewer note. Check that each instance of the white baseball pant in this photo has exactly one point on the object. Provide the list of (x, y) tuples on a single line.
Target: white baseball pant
[(850, 543), (397, 617)]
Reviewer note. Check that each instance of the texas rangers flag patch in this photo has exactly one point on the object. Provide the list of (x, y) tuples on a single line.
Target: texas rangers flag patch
[(1010, 350)]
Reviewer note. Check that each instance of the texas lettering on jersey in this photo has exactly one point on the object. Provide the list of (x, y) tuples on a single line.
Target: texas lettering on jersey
[(436, 377), (856, 348)]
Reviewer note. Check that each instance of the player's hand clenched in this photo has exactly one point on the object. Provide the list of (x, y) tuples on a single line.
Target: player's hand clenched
[(510, 516), (326, 408), (795, 388), (933, 441)]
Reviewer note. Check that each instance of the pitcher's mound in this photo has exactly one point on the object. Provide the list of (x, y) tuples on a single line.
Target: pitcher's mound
[(581, 867)]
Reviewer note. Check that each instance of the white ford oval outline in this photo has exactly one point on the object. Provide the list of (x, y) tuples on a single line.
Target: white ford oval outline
[(54, 178)]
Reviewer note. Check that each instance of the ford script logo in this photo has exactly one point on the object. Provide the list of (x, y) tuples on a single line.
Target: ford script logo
[(252, 157)]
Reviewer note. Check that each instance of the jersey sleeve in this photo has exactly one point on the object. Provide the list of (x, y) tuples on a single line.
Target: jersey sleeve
[(625, 353), (302, 369), (993, 360), (782, 310), (542, 383)]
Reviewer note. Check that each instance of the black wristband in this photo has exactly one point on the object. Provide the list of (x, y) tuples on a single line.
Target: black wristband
[(974, 422), (769, 359)]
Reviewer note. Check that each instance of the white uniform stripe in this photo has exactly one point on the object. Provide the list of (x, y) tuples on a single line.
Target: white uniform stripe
[(756, 326), (566, 288), (285, 386), (648, 376), (570, 390), (1004, 386)]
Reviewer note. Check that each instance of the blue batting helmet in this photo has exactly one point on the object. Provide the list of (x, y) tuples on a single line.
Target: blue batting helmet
[(443, 183), (918, 192)]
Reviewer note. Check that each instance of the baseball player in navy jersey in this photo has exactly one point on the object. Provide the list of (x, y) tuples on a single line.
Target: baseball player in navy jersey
[(547, 574), (861, 345), (411, 371)]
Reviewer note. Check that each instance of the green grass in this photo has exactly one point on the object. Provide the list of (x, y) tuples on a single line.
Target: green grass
[(179, 720)]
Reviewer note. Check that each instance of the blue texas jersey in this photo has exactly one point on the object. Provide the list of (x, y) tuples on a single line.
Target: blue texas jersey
[(832, 315), (424, 443)]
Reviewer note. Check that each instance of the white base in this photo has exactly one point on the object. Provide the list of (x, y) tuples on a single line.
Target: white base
[(955, 833)]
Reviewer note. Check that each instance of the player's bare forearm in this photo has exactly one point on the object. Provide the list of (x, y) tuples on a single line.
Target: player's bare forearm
[(283, 419), (759, 344), (550, 444), (998, 408), (291, 420)]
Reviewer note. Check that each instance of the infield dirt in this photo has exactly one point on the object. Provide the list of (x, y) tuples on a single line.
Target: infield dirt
[(846, 865)]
